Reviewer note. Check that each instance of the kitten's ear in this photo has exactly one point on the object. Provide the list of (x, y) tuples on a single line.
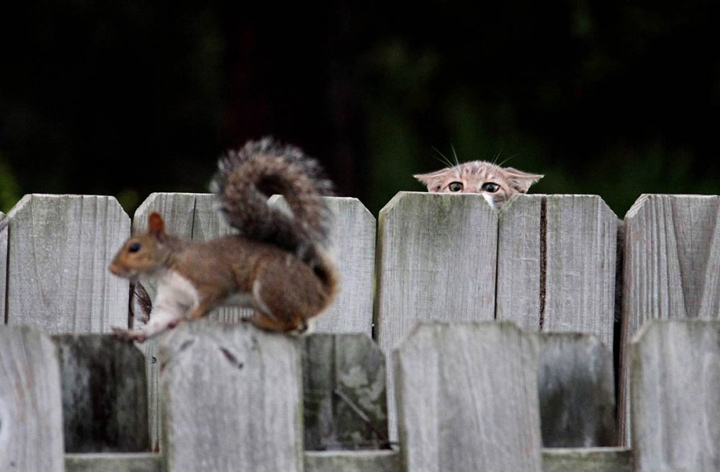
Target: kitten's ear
[(433, 180), (519, 180)]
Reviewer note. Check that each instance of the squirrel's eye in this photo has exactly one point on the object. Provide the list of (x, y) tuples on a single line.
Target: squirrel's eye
[(490, 187), (134, 247), (455, 186)]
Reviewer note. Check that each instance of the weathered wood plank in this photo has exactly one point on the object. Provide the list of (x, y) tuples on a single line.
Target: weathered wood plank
[(59, 250), (139, 462), (436, 259), (336, 461), (556, 264), (232, 398), (180, 215), (581, 257), (672, 268), (194, 216), (353, 248), (344, 392), (467, 398), (104, 394), (3, 265), (577, 391), (520, 263), (31, 428), (352, 461), (675, 389), (588, 460)]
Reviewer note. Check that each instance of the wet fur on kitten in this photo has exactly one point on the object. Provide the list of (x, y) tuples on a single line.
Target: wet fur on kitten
[(496, 184)]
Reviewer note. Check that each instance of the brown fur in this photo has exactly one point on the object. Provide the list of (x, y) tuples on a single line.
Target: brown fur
[(276, 265)]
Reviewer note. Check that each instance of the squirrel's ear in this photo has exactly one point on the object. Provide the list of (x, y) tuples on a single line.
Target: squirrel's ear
[(156, 225)]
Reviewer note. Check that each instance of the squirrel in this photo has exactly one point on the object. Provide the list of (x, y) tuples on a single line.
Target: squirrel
[(276, 264)]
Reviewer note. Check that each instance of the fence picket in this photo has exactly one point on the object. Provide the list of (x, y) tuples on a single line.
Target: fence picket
[(467, 398), (436, 260), (672, 268), (345, 400), (581, 257), (353, 248), (104, 394), (31, 425), (59, 249), (556, 264), (520, 263), (577, 391), (675, 392), (232, 398)]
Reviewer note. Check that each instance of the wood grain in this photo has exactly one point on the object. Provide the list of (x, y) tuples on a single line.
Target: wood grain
[(345, 393), (675, 395), (556, 264), (520, 263), (436, 260), (581, 257), (138, 462), (577, 391), (588, 460), (352, 461), (672, 268), (467, 398), (104, 394), (353, 249), (31, 427), (232, 397), (60, 247)]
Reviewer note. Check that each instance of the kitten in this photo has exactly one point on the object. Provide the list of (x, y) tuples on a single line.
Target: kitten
[(496, 184)]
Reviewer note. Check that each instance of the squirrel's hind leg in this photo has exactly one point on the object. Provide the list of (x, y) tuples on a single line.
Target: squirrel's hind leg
[(267, 323)]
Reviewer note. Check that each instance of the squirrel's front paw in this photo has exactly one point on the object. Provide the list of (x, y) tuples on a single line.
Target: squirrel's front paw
[(128, 335)]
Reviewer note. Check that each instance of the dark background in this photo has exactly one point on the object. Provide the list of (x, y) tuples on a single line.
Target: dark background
[(127, 98)]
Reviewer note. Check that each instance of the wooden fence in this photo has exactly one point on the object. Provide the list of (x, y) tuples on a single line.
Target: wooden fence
[(463, 393)]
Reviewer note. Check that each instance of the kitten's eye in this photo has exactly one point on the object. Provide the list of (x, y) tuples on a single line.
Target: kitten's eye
[(490, 187), (134, 247), (455, 186)]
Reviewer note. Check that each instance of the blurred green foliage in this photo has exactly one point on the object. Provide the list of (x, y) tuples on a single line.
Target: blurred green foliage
[(9, 190), (608, 98)]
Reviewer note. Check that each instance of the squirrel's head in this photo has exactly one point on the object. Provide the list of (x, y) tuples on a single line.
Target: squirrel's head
[(144, 253)]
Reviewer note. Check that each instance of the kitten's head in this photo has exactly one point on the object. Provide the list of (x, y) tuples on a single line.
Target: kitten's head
[(497, 184)]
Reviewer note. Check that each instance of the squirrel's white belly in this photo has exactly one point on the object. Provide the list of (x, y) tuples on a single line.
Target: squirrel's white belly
[(176, 293)]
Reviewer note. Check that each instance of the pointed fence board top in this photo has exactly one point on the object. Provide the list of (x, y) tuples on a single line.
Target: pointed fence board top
[(31, 425), (671, 268), (467, 398), (437, 260), (195, 216), (557, 264), (673, 258), (59, 249), (675, 395), (233, 399)]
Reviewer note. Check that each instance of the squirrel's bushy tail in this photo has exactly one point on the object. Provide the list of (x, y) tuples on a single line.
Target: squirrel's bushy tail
[(248, 176)]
